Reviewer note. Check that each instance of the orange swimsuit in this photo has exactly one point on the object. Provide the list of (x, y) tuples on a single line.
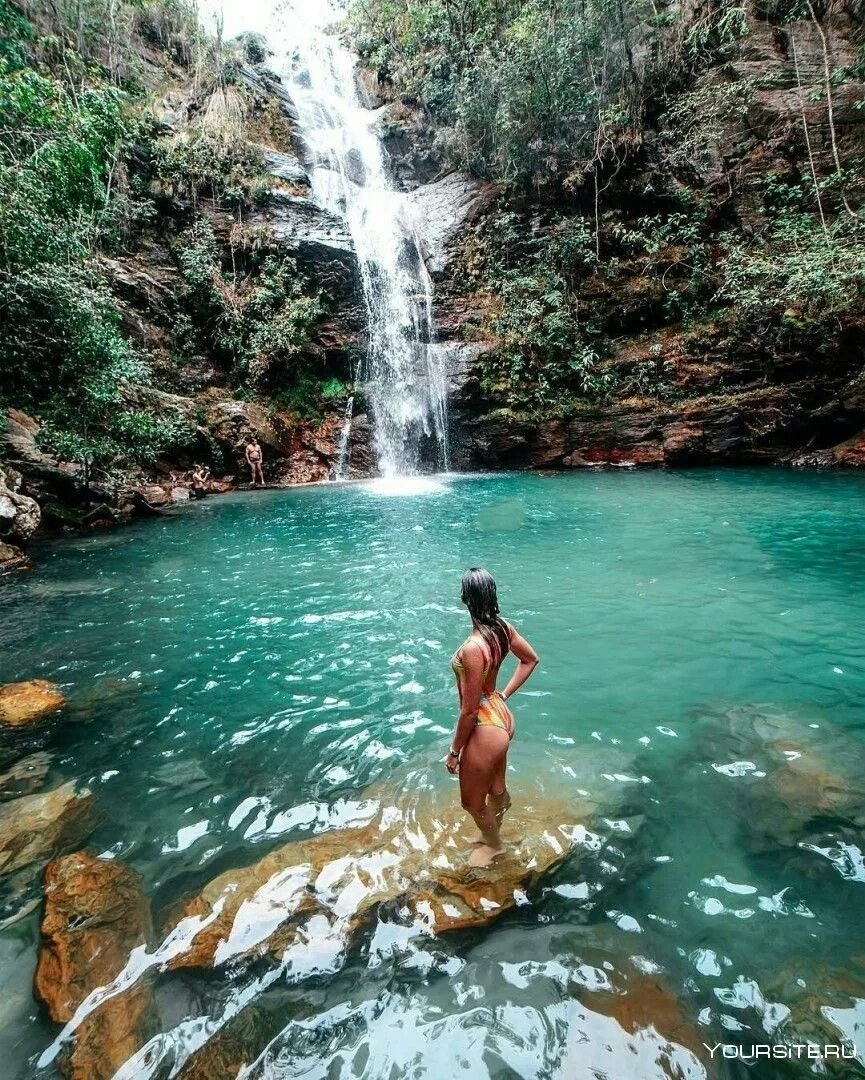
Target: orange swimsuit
[(492, 709)]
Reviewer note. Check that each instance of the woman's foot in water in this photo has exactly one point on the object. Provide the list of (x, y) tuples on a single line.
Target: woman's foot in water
[(484, 855)]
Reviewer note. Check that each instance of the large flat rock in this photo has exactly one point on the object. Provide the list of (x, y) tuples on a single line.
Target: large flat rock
[(416, 855)]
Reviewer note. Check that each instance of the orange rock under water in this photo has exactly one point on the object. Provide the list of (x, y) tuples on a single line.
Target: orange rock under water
[(418, 856), (648, 1002), (25, 703), (95, 914)]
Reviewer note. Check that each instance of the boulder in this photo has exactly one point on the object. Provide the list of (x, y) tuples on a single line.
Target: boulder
[(231, 423), (154, 494), (11, 557), (285, 166), (95, 915), (27, 703), (301, 225), (45, 478), (25, 776), (442, 210), (19, 515), (20, 437), (35, 827)]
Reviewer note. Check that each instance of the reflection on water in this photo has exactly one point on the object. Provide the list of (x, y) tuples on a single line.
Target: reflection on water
[(259, 701)]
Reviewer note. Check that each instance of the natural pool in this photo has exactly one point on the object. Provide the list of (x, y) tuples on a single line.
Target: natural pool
[(244, 674)]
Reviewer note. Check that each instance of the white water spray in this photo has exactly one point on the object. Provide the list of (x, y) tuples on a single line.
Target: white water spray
[(401, 375)]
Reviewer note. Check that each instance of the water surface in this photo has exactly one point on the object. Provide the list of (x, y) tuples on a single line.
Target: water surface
[(240, 674)]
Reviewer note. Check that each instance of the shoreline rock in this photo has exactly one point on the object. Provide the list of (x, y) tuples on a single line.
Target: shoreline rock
[(11, 557), (95, 914)]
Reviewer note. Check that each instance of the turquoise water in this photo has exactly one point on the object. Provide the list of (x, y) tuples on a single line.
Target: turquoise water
[(238, 676)]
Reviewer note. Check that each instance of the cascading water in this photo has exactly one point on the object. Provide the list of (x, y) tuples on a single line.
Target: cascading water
[(342, 460), (401, 377)]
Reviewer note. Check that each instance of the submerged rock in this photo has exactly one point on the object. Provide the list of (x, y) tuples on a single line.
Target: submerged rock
[(28, 712), (25, 703), (658, 1031), (24, 777), (822, 1005), (416, 856), (35, 827), (95, 915), (797, 783)]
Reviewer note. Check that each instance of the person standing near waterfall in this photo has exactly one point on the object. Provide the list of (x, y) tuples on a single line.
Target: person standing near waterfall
[(485, 727), (253, 460)]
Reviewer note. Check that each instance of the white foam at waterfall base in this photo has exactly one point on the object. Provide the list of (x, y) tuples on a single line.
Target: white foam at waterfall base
[(390, 486), (402, 377)]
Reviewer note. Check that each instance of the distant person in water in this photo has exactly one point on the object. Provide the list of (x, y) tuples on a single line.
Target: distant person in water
[(253, 460), (479, 751), (199, 481)]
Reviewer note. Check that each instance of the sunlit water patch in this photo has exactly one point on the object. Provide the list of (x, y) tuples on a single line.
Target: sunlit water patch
[(265, 675)]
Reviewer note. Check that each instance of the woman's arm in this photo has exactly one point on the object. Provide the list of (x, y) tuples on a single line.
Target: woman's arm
[(528, 661), (471, 688)]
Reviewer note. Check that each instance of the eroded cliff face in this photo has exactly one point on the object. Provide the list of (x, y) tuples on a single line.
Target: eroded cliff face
[(705, 385)]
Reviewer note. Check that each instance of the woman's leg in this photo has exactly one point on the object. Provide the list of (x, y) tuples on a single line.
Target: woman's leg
[(499, 799), (480, 762)]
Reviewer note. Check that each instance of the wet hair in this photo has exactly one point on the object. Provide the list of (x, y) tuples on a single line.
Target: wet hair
[(478, 593)]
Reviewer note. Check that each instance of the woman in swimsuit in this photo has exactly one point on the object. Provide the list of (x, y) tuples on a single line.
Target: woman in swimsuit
[(479, 751)]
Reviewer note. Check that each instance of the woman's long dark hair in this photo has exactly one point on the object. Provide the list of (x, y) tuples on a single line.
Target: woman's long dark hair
[(478, 593)]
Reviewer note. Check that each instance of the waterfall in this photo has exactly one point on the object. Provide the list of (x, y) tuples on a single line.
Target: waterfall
[(342, 460), (401, 377)]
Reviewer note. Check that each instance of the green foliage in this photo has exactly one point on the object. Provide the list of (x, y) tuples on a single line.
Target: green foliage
[(15, 33), (536, 93), (58, 157), (522, 91), (795, 272), (547, 358), (197, 163), (261, 322)]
